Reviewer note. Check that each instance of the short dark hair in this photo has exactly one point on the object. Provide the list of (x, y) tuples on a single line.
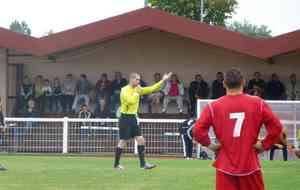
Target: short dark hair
[(233, 78)]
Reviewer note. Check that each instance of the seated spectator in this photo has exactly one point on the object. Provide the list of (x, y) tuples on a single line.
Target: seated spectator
[(57, 96), (198, 90), (83, 88), (173, 90), (47, 96), (218, 89), (103, 93), (68, 90), (38, 92), (293, 88), (117, 84), (256, 85), (275, 89), (155, 98), (143, 84), (26, 92)]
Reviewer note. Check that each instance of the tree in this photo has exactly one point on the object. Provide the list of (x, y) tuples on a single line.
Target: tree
[(215, 12), (49, 32), (250, 29), (20, 27)]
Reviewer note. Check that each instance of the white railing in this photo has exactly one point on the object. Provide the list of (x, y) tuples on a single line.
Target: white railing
[(71, 135)]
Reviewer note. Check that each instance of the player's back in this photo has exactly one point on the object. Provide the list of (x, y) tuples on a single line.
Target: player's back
[(237, 121)]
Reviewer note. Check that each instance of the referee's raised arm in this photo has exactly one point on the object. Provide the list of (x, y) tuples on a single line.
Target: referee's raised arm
[(155, 87)]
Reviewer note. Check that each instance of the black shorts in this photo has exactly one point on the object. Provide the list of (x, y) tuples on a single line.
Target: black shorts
[(128, 127)]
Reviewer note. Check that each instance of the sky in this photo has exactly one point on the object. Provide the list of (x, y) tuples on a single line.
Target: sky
[(281, 16)]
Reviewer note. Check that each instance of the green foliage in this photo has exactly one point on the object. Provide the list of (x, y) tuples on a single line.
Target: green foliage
[(250, 29), (20, 27), (215, 12)]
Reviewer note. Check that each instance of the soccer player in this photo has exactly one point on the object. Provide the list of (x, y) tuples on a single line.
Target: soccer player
[(128, 125), (236, 119)]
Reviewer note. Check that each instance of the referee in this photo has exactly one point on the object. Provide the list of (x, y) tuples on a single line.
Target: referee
[(128, 125)]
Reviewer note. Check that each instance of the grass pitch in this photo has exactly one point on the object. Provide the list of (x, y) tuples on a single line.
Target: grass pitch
[(96, 173)]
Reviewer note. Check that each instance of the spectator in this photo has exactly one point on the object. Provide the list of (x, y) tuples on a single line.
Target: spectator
[(275, 89), (117, 84), (143, 84), (256, 85), (103, 93), (218, 89), (38, 92), (83, 88), (293, 88), (187, 140), (47, 96), (198, 90), (68, 90), (173, 90), (84, 112), (2, 131), (156, 97), (57, 96), (30, 113), (26, 92)]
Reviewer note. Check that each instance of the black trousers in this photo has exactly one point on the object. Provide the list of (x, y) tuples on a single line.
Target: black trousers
[(187, 146), (284, 152)]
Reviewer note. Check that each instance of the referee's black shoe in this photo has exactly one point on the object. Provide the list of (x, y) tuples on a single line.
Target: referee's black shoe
[(148, 166)]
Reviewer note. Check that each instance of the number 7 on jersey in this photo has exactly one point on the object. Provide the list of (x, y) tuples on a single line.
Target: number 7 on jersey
[(240, 116)]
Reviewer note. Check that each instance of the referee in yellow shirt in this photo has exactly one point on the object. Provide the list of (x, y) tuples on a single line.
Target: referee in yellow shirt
[(128, 125)]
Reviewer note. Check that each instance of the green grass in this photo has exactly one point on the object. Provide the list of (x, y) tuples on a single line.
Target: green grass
[(89, 173)]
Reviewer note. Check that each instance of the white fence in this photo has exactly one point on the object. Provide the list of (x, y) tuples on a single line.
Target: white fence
[(68, 135)]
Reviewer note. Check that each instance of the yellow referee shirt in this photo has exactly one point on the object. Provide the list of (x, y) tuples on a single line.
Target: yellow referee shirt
[(130, 97)]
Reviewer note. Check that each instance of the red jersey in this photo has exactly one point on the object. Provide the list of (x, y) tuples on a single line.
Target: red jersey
[(236, 121)]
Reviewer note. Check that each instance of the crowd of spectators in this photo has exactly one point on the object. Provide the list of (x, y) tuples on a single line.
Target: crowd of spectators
[(103, 98)]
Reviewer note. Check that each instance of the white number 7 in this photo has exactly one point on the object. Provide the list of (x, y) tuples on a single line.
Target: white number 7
[(238, 124)]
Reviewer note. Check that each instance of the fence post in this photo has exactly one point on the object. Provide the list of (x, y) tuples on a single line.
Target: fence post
[(65, 135)]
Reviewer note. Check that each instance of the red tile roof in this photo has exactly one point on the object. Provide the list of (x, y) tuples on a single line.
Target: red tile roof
[(145, 18)]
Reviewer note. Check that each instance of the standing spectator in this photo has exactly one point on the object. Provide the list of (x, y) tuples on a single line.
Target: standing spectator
[(47, 96), (57, 96), (117, 84), (293, 88), (198, 90), (156, 97), (38, 92), (26, 92), (103, 93), (30, 113), (187, 141), (256, 85), (275, 89), (218, 89), (2, 130), (68, 90), (85, 130), (83, 88), (173, 90)]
